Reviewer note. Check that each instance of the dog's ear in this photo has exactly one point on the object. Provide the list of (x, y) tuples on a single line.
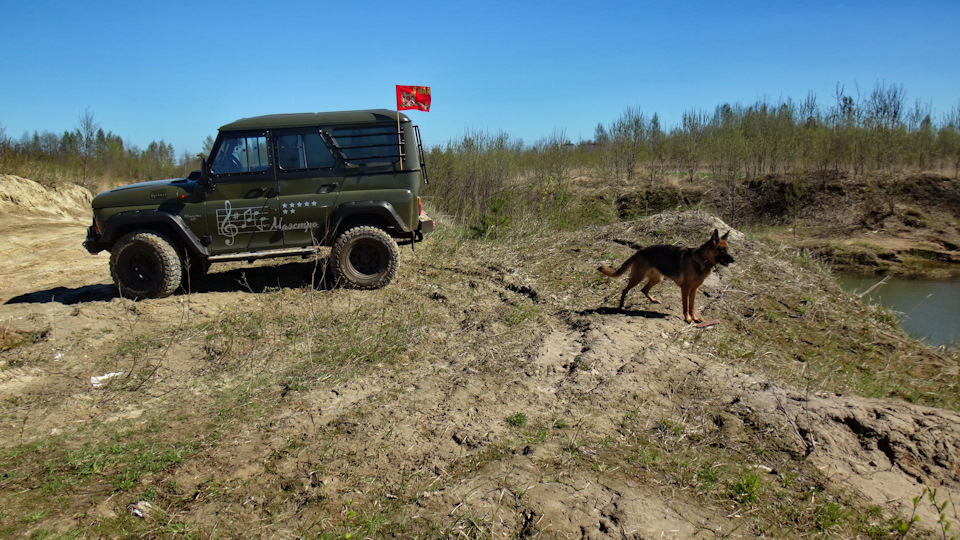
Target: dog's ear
[(716, 236), (724, 237)]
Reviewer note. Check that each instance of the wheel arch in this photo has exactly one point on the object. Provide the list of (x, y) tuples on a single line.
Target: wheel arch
[(169, 225), (379, 214)]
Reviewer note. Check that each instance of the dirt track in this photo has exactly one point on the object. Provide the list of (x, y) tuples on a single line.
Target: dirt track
[(421, 433)]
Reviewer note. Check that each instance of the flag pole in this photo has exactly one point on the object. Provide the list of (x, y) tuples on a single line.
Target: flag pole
[(400, 139), (399, 133)]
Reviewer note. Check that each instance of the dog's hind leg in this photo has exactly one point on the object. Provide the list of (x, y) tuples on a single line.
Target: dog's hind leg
[(654, 278), (635, 279)]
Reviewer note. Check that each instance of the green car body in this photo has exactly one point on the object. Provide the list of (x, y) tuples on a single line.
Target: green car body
[(273, 185)]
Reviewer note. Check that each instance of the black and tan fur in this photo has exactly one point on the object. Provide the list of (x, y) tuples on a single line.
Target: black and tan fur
[(687, 267)]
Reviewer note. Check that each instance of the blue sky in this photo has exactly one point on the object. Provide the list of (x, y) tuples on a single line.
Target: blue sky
[(177, 70)]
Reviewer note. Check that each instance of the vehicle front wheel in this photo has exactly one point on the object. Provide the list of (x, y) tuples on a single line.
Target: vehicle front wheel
[(364, 258), (145, 265)]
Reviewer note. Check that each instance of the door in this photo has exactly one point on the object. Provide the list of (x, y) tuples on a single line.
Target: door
[(243, 208), (309, 178)]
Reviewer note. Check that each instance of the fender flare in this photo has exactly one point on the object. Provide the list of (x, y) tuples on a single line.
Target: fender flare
[(381, 209), (120, 223)]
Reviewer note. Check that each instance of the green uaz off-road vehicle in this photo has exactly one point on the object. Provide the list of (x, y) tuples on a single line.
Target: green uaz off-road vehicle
[(273, 186)]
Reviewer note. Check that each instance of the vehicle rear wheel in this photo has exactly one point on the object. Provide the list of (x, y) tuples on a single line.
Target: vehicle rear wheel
[(364, 257), (145, 265)]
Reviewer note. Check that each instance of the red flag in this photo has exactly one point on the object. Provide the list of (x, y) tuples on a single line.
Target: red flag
[(413, 97)]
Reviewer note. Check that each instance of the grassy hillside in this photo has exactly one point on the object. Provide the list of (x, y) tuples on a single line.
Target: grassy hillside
[(491, 390)]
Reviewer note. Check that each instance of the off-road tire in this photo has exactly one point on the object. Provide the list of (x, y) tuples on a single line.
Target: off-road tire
[(364, 258), (145, 265)]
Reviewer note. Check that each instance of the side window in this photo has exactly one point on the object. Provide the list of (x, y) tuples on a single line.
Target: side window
[(369, 145), (241, 154), (303, 151)]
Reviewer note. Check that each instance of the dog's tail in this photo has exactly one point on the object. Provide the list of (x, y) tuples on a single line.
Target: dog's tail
[(607, 271)]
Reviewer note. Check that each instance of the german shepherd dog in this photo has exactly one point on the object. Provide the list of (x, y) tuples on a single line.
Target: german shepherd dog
[(687, 267)]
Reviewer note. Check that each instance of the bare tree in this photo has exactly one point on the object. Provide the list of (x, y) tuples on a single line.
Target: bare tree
[(207, 146), (630, 139), (4, 140), (692, 136), (86, 141)]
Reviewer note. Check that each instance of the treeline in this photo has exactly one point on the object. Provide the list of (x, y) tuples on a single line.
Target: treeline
[(874, 132), (90, 156), (493, 182), (491, 179)]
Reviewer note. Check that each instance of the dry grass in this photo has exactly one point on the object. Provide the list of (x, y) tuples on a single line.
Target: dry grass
[(299, 386)]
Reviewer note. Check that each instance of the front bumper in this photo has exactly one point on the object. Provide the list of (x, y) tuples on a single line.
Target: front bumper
[(93, 243)]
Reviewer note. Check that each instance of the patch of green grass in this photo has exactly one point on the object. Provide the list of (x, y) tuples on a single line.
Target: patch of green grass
[(828, 516), (520, 313), (538, 435), (33, 517), (671, 427), (517, 420), (647, 457), (57, 470), (707, 476), (746, 488)]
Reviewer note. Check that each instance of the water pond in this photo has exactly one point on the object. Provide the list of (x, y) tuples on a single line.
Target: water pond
[(928, 310)]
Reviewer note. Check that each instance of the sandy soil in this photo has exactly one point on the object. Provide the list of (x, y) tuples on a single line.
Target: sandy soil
[(424, 426)]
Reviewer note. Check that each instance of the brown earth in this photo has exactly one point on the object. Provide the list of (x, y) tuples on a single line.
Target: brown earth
[(903, 225), (421, 432)]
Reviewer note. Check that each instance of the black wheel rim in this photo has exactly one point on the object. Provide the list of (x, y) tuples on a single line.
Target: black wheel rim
[(367, 258), (142, 268)]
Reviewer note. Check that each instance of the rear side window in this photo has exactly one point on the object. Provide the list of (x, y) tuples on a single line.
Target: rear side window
[(369, 144), (297, 151), (241, 154)]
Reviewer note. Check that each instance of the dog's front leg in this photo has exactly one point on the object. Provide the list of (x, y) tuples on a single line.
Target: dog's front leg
[(691, 296), (685, 300)]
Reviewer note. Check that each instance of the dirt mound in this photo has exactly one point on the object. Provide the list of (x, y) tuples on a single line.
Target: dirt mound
[(493, 391), (878, 449), (41, 231), (20, 196)]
